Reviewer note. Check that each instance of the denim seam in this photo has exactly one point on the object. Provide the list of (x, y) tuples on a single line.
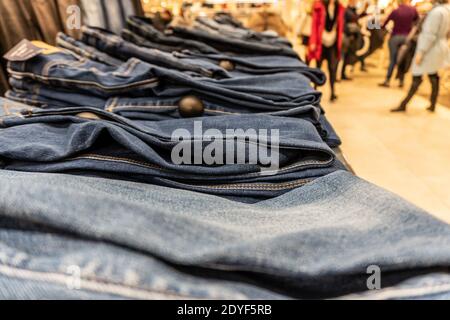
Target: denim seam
[(73, 47), (130, 67), (108, 158), (154, 81), (222, 112), (275, 187), (110, 106), (141, 106), (93, 284), (144, 164), (27, 101), (268, 187)]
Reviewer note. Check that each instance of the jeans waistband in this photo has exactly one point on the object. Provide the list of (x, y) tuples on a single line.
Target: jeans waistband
[(85, 51), (118, 47)]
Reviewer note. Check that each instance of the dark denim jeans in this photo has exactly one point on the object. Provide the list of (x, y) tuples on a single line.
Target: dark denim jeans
[(91, 140), (232, 45), (274, 92), (240, 65), (143, 27), (151, 108), (69, 237), (116, 46), (86, 51), (240, 32)]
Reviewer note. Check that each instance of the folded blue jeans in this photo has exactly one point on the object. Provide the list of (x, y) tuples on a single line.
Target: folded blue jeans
[(227, 44), (273, 92), (90, 140), (129, 240), (86, 51), (144, 27), (116, 46)]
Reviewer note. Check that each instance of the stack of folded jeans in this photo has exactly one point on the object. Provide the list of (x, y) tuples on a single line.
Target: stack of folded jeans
[(88, 140), (194, 162), (142, 90)]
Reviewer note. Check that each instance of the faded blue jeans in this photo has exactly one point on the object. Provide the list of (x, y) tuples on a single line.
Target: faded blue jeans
[(92, 141), (69, 237)]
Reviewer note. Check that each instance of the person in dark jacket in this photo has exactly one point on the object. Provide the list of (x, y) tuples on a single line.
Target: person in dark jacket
[(352, 36), (404, 18)]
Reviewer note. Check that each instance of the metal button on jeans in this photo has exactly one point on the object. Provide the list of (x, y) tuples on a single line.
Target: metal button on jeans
[(227, 65), (191, 106)]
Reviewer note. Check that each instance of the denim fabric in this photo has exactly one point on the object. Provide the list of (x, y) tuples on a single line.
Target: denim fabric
[(253, 64), (116, 46), (86, 51), (143, 27), (262, 93), (147, 108), (240, 33), (144, 42), (332, 138), (44, 96), (227, 44), (58, 140), (66, 69), (226, 18), (134, 240)]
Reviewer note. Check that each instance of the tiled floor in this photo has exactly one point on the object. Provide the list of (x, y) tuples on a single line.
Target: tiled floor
[(408, 154)]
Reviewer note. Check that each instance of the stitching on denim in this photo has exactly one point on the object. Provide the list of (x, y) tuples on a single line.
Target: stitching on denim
[(218, 111), (235, 186), (93, 284), (131, 67), (82, 51), (124, 160), (144, 106), (6, 109), (256, 186), (144, 164), (112, 104), (154, 81)]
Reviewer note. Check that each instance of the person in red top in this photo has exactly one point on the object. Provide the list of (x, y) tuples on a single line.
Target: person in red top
[(325, 42), (404, 18)]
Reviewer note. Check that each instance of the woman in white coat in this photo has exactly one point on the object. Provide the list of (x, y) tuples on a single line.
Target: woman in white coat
[(432, 52)]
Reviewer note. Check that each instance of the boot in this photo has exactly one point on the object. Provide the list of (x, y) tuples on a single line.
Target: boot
[(401, 108), (384, 84), (434, 79), (417, 81)]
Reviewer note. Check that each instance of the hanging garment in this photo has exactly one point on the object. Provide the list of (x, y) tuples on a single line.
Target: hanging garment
[(3, 81), (64, 7), (17, 22), (47, 18), (109, 14)]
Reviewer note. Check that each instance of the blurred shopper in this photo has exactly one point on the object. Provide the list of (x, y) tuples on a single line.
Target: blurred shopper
[(325, 42), (432, 52), (407, 51), (305, 25), (353, 38), (403, 17)]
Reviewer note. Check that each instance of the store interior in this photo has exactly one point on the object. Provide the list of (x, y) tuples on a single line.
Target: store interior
[(92, 94), (407, 154)]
